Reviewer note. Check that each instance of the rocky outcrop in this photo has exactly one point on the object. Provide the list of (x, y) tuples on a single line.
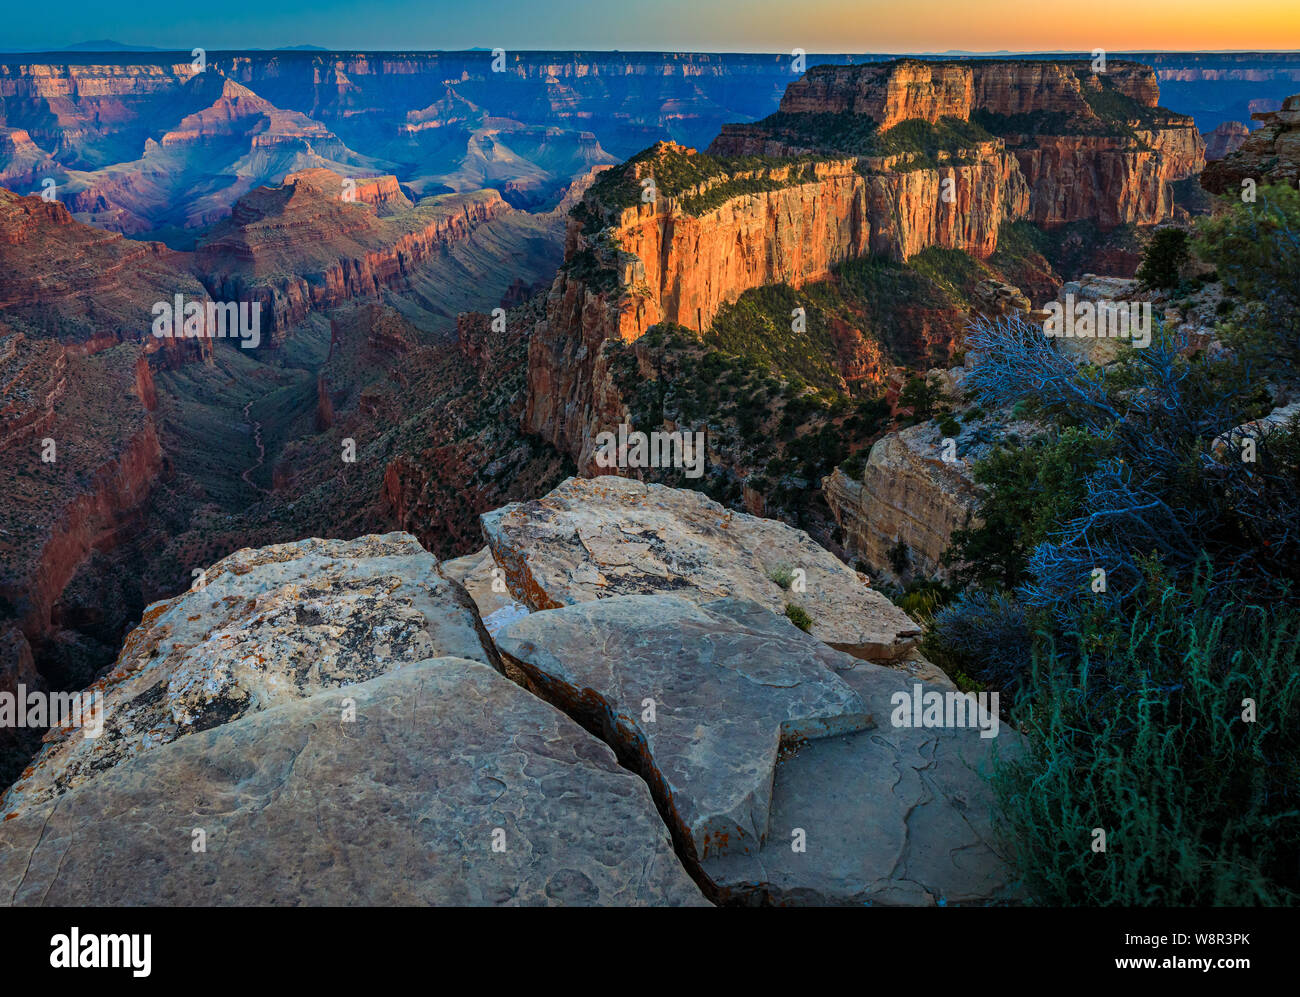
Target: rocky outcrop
[(894, 158), (83, 458), (304, 246), (324, 404), (1282, 419), (994, 298), (596, 538), (22, 163), (1226, 138), (667, 262), (442, 783), (261, 627), (1271, 154), (310, 717), (1090, 145), (801, 790), (486, 584), (234, 110), (89, 289), (906, 494)]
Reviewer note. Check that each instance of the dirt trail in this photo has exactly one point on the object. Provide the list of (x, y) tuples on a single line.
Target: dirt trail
[(261, 451)]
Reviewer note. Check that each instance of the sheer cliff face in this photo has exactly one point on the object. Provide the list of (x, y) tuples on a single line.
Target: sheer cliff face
[(890, 93), (659, 262), (1090, 145), (885, 92), (892, 159)]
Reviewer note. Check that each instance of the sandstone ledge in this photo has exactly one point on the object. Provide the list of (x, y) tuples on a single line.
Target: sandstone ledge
[(753, 736), (268, 625), (400, 807), (596, 538)]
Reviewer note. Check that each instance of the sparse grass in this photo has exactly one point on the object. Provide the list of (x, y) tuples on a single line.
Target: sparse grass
[(782, 574), (799, 617)]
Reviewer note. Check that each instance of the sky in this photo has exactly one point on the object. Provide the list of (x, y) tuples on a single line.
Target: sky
[(899, 26)]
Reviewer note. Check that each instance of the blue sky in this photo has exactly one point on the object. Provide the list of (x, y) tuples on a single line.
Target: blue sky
[(683, 25)]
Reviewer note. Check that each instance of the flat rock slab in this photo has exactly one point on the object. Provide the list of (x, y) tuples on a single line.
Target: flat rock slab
[(593, 538), (262, 627), (758, 731), (727, 693), (891, 816), (401, 806)]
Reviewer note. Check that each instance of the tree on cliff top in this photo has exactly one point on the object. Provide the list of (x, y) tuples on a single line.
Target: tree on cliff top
[(1165, 257)]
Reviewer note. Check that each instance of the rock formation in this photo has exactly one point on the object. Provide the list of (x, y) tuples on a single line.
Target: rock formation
[(325, 712), (1271, 154), (1089, 145), (260, 627), (805, 746), (305, 246), (87, 288), (486, 584), (896, 157), (907, 494), (438, 784), (82, 456), (1226, 138), (597, 538)]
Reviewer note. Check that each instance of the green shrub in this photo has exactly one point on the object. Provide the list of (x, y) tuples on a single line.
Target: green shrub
[(1147, 741), (798, 616), (782, 574), (1030, 489), (1256, 250), (900, 557), (920, 395)]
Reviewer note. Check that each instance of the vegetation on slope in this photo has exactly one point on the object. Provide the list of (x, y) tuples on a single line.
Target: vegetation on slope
[(706, 180), (1132, 590)]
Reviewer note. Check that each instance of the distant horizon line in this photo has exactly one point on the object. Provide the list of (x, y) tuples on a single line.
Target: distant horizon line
[(307, 49)]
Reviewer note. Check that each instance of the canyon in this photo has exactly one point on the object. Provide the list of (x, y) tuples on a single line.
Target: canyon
[(461, 286), (925, 171), (1270, 154)]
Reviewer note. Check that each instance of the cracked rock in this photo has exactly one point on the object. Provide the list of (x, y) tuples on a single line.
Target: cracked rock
[(451, 786), (759, 734), (610, 536), (266, 625)]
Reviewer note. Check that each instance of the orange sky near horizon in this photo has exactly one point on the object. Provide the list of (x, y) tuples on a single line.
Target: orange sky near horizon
[(1031, 25)]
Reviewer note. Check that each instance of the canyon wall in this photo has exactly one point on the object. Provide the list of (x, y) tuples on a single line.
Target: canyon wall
[(77, 474), (88, 288), (719, 225), (659, 262), (301, 247)]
